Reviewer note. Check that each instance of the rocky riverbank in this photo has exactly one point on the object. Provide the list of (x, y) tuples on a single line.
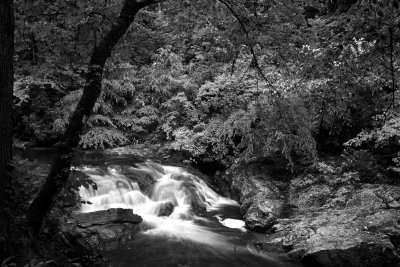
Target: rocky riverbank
[(106, 228), (326, 216)]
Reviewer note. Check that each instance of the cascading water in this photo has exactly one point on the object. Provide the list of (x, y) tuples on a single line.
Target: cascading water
[(178, 209), (168, 209)]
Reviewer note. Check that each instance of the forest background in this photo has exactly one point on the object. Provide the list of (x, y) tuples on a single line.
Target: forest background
[(218, 81)]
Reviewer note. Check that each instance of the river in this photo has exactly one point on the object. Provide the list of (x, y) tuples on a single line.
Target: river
[(185, 222)]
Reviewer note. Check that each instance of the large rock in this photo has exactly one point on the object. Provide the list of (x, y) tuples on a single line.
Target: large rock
[(338, 238), (338, 221), (197, 202), (260, 195), (261, 204), (107, 228), (166, 209), (325, 217), (103, 217), (143, 178)]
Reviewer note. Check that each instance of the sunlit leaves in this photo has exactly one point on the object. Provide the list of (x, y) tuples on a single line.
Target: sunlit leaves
[(100, 137)]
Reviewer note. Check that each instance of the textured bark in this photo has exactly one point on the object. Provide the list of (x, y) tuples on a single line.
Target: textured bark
[(6, 93), (60, 169)]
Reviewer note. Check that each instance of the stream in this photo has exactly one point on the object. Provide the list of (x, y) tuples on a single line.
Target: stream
[(185, 222)]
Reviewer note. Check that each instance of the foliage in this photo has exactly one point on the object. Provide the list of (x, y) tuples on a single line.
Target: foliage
[(350, 68), (244, 128), (383, 140), (100, 137), (178, 112), (386, 135), (362, 161), (219, 80)]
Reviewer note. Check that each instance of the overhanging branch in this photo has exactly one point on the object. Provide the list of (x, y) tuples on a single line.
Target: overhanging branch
[(251, 48)]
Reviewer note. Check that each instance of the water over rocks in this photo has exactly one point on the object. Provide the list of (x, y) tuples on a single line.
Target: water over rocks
[(166, 209), (334, 221)]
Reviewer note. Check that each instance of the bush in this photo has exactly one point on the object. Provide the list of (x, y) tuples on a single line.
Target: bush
[(382, 142), (100, 137), (362, 161)]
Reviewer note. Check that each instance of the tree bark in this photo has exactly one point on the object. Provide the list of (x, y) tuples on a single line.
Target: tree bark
[(60, 169), (6, 98)]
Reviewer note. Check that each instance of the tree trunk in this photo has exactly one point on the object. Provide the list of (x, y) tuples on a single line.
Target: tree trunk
[(6, 98), (60, 169)]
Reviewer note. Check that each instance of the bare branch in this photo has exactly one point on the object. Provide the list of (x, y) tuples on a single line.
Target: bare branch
[(255, 59)]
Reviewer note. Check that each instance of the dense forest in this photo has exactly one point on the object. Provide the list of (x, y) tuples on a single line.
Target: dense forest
[(289, 107)]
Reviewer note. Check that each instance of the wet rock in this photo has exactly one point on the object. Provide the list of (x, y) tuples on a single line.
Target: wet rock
[(143, 178), (335, 219), (166, 209), (197, 202), (260, 196), (259, 217), (103, 217), (156, 166), (110, 236), (198, 206), (107, 229)]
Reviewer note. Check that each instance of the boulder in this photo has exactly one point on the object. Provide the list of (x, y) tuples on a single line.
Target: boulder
[(166, 209), (337, 238), (339, 222), (103, 217), (198, 206), (334, 219), (144, 179), (197, 203), (260, 196), (107, 229)]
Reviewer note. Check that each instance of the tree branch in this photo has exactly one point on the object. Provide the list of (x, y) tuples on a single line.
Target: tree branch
[(251, 48), (61, 167)]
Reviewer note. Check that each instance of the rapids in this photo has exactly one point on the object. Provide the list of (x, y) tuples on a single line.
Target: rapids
[(185, 222)]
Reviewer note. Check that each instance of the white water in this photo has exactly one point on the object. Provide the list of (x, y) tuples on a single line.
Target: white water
[(171, 186), (231, 223)]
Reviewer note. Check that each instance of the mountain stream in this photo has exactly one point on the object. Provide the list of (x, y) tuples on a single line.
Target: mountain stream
[(185, 222)]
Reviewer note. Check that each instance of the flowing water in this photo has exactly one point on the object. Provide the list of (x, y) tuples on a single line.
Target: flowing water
[(166, 198), (172, 234)]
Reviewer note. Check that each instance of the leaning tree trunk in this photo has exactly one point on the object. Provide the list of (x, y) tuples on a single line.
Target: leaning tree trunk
[(60, 169), (6, 98)]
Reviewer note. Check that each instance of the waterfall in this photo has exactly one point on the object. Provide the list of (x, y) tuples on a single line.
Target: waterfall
[(168, 198)]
